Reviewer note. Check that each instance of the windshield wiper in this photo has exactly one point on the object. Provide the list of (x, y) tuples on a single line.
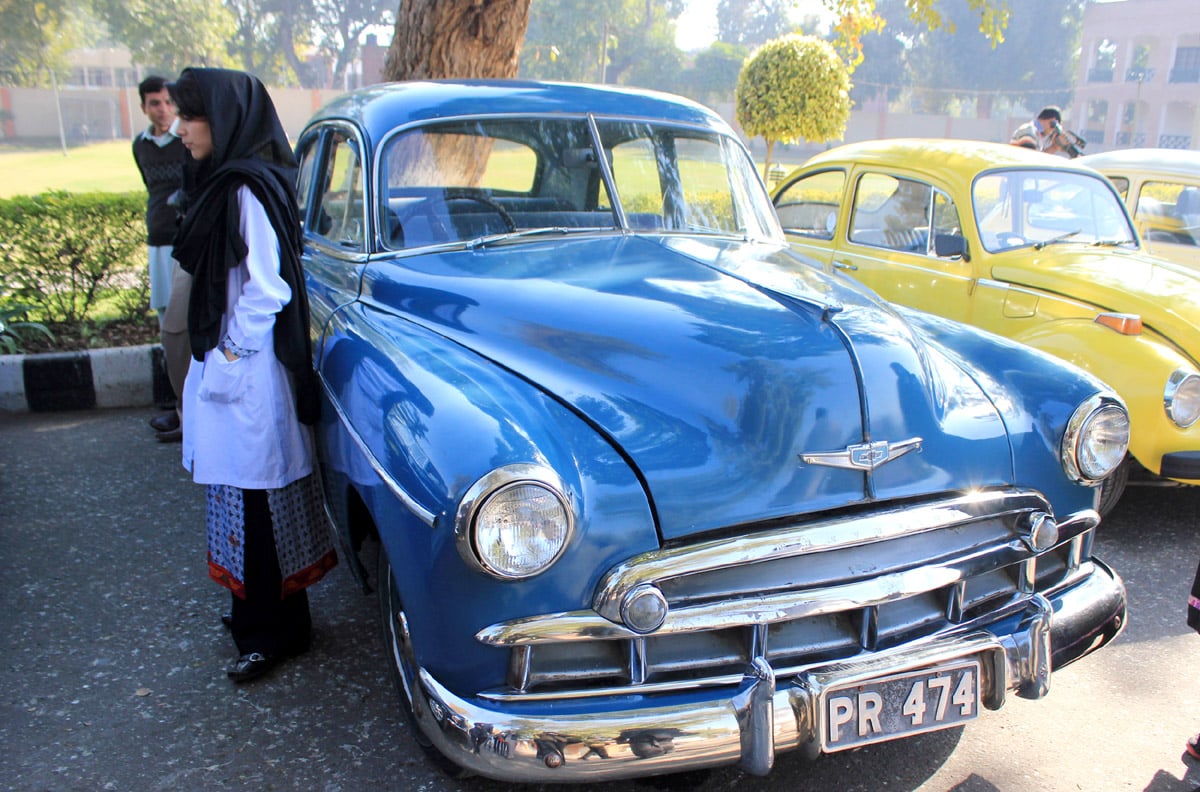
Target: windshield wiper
[(1055, 240), (1111, 242), (488, 239)]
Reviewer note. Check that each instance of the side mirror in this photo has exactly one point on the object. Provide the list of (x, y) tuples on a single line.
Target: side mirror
[(950, 245)]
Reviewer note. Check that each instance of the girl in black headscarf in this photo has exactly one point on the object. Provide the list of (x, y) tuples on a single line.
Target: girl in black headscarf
[(250, 391)]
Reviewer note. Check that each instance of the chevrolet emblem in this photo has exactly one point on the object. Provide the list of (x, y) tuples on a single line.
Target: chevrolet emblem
[(863, 456)]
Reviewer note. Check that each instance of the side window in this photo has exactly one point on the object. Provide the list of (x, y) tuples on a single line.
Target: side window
[(340, 214), (1169, 212), (948, 240), (308, 151), (809, 206), (1122, 185), (891, 213)]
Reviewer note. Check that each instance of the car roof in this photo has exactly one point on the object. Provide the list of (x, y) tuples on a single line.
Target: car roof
[(954, 160), (1180, 162), (383, 107), (942, 154)]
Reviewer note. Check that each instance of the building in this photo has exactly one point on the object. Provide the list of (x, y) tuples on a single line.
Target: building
[(1139, 75)]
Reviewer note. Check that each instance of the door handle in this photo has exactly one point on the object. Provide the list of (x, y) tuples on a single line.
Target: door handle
[(845, 265)]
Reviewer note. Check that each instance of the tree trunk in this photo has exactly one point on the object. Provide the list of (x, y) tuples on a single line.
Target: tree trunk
[(457, 38)]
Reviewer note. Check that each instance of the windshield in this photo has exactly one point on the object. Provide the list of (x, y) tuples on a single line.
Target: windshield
[(468, 180), (1039, 208)]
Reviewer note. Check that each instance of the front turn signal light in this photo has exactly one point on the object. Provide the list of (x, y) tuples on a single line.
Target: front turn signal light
[(1125, 324)]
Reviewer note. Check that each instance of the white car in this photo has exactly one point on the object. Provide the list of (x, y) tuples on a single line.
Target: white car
[(1161, 187)]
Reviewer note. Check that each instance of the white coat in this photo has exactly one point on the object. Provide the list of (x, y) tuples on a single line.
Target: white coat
[(239, 417)]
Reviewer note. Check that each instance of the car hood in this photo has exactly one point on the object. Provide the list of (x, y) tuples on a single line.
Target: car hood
[(714, 368), (1166, 295)]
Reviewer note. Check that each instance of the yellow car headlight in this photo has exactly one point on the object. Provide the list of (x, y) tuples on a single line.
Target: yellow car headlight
[(1182, 398)]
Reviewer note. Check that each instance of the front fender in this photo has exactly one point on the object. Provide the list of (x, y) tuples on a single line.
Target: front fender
[(1136, 367), (1035, 395), (417, 420)]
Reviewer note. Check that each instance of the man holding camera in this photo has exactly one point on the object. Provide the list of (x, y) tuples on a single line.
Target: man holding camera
[(1046, 133)]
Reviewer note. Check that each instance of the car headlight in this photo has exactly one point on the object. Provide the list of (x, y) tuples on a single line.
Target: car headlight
[(514, 522), (1182, 398), (1096, 439)]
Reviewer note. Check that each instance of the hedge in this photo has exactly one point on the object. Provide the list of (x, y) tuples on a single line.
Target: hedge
[(62, 252)]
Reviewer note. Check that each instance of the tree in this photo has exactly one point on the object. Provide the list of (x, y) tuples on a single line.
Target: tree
[(339, 26), (167, 36), (571, 39), (483, 38), (749, 23), (713, 76), (266, 39), (36, 38), (858, 18), (884, 66), (793, 88), (631, 42), (967, 67), (457, 38)]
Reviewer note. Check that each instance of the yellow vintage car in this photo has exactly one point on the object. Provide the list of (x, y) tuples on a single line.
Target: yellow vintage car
[(1024, 244), (1161, 187)]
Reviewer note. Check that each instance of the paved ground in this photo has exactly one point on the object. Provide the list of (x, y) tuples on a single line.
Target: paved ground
[(112, 674)]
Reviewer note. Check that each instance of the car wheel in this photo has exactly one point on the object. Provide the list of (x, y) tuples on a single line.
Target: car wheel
[(404, 665), (1113, 487)]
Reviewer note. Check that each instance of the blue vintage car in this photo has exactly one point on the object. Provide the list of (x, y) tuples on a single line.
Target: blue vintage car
[(651, 492)]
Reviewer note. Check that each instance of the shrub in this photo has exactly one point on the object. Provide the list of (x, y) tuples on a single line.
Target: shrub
[(793, 88), (60, 253), (14, 329)]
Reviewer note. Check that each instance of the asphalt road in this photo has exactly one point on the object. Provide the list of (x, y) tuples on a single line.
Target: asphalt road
[(113, 657)]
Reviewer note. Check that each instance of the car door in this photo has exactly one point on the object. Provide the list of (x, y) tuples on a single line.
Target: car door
[(337, 221), (809, 208), (904, 238)]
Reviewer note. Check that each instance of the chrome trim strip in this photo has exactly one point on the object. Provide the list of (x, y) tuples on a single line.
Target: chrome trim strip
[(798, 540), (1015, 604), (409, 502), (587, 625), (760, 609)]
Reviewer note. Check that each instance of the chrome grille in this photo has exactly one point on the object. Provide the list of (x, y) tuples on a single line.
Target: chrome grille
[(797, 595)]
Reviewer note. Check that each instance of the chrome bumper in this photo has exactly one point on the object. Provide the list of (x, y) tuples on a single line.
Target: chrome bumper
[(770, 710)]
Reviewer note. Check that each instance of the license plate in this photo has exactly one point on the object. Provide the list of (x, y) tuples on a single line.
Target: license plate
[(894, 706)]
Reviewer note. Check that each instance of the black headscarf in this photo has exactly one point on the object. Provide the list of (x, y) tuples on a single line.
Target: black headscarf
[(249, 149)]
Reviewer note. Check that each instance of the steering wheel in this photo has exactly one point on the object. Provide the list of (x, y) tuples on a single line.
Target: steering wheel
[(1009, 239), (436, 212), (486, 200)]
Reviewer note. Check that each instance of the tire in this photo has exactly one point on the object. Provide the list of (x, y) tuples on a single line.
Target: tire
[(1113, 487), (398, 643)]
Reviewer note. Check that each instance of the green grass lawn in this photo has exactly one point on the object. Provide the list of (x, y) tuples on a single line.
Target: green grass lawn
[(99, 167)]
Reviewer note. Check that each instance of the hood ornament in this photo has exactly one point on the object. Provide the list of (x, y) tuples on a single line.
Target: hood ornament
[(863, 456)]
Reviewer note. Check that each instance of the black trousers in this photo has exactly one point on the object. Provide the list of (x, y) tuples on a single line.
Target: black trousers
[(264, 621)]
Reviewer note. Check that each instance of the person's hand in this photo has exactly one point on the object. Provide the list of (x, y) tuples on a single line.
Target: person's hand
[(230, 356)]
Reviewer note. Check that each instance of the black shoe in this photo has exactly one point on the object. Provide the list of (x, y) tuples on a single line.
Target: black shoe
[(167, 422), (173, 436), (227, 620), (251, 666)]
